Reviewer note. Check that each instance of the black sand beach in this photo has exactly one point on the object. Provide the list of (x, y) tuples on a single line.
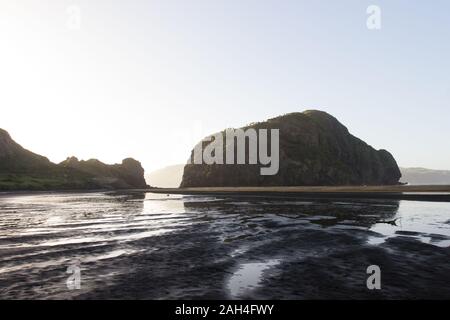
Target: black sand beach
[(154, 246)]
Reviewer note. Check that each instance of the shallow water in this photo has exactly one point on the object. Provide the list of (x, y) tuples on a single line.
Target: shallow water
[(152, 246)]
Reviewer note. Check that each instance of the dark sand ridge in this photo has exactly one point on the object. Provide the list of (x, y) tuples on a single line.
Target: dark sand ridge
[(398, 192)]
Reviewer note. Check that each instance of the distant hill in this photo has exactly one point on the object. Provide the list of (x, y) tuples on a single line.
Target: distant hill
[(167, 177), (315, 149), (422, 176), (21, 169)]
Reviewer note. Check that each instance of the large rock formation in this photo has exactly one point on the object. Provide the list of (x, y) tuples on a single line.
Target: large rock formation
[(315, 149), (21, 169)]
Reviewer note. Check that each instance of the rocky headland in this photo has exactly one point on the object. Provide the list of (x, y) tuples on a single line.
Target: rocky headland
[(21, 169), (315, 149)]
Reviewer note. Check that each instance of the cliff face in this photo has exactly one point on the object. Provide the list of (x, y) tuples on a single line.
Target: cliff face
[(315, 149), (14, 157), (21, 169)]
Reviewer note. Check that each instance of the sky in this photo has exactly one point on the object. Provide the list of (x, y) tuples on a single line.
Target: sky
[(148, 79)]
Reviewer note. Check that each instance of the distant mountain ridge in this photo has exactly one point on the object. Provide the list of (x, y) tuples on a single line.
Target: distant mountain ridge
[(423, 176), (167, 177), (21, 169)]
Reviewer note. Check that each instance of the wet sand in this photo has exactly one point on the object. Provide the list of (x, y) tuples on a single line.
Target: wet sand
[(154, 246)]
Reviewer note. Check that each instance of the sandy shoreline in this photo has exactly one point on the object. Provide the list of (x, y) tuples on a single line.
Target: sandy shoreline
[(397, 192), (400, 192), (318, 189)]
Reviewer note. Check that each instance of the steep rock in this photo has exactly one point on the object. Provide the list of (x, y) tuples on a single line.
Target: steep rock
[(315, 149)]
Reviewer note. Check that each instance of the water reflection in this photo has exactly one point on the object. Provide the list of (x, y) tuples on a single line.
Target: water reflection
[(248, 277), (240, 218), (424, 221)]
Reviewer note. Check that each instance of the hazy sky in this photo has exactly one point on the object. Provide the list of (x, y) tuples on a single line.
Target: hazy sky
[(148, 79)]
